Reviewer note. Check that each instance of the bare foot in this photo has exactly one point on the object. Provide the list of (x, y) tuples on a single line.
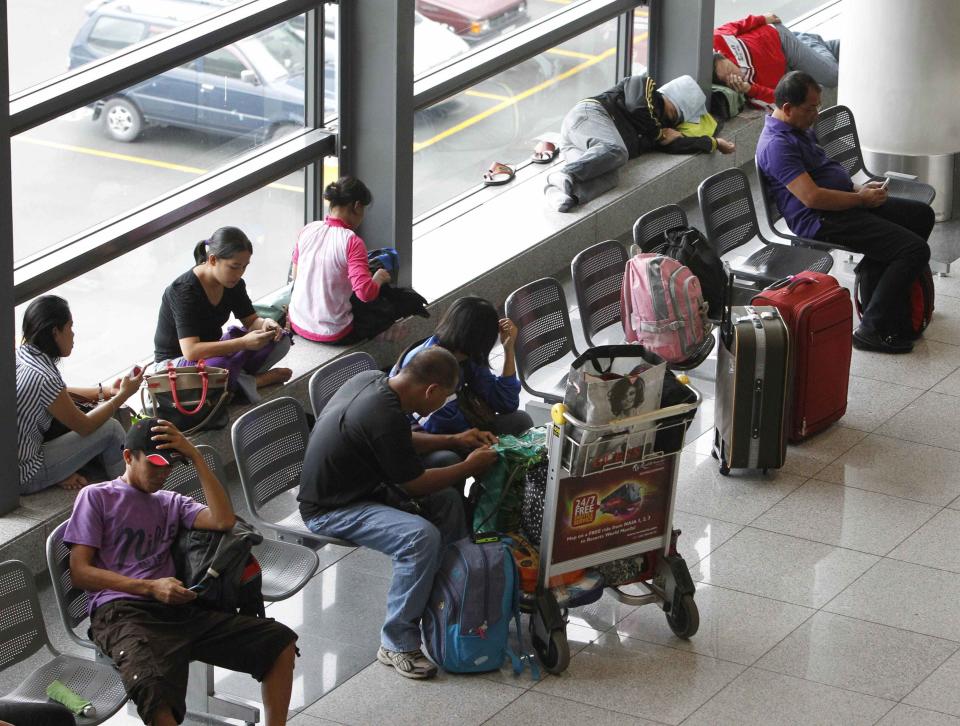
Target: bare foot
[(73, 482), (274, 376), (725, 147)]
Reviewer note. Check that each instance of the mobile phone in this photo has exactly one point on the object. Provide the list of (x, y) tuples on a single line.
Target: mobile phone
[(198, 588), (886, 182)]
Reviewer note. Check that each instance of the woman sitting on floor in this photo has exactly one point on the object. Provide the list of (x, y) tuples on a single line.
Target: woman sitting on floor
[(196, 306), (42, 396), (469, 329)]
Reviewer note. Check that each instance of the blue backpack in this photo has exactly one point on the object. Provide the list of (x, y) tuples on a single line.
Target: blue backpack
[(475, 596)]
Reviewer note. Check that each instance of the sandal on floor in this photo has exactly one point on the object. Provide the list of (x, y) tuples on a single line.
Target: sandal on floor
[(498, 174), (544, 152)]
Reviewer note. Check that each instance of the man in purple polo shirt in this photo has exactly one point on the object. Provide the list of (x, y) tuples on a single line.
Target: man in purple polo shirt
[(819, 200), (141, 615)]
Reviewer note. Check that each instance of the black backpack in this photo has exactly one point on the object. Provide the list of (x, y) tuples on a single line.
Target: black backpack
[(689, 247), (221, 569)]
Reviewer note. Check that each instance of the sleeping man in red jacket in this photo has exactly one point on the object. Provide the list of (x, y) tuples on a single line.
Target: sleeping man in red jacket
[(752, 55)]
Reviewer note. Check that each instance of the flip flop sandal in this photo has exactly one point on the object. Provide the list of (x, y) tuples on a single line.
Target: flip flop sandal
[(498, 174), (544, 152)]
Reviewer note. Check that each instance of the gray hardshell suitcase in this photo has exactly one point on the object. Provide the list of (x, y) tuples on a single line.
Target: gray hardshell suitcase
[(753, 386)]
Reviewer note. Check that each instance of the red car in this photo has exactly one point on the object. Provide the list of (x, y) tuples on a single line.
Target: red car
[(476, 20)]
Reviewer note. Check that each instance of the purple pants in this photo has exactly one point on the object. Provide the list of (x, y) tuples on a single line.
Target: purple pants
[(244, 361)]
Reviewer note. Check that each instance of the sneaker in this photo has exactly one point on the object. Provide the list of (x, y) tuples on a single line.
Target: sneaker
[(411, 664), (868, 340)]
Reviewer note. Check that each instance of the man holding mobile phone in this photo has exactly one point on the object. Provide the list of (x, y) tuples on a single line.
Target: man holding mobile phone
[(819, 200), (120, 536)]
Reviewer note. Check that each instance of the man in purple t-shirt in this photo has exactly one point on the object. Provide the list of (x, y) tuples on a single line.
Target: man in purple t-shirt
[(141, 615), (819, 200)]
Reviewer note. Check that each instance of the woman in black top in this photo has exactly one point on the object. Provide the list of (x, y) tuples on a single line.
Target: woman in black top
[(196, 305)]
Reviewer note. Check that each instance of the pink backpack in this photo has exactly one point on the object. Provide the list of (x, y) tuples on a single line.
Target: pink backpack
[(662, 307)]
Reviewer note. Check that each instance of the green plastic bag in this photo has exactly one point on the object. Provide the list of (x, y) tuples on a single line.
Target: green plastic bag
[(274, 306), (498, 496)]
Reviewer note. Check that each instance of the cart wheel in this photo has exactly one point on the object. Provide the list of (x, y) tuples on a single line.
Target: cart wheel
[(555, 654), (684, 617)]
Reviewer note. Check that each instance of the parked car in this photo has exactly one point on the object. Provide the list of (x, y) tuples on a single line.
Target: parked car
[(476, 20), (255, 85)]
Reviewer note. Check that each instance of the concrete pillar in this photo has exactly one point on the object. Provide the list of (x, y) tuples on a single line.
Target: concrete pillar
[(899, 66)]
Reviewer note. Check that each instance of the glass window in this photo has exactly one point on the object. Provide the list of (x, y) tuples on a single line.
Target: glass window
[(111, 34), (73, 33), (154, 137), (726, 11), (225, 62), (475, 22), (115, 306), (641, 42), (501, 119)]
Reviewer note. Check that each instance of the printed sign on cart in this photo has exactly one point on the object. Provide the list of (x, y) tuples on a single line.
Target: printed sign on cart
[(612, 508)]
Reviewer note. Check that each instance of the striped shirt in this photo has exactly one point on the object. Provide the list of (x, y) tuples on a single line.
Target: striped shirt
[(38, 383)]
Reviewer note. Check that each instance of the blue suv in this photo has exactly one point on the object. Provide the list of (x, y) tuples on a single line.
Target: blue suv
[(253, 86)]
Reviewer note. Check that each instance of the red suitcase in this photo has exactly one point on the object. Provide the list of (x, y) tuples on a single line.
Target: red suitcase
[(819, 316)]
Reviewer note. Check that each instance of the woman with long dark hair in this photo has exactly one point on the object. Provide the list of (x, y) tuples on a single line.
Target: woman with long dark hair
[(196, 306), (469, 329), (335, 297), (42, 396)]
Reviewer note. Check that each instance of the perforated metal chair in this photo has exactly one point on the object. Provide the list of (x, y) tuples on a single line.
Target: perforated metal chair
[(836, 131), (597, 277), (286, 567), (731, 222), (772, 213), (269, 443), (539, 310), (649, 228), (328, 378), (23, 633)]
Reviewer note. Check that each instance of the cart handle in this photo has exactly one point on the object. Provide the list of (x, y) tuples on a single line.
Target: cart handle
[(560, 415)]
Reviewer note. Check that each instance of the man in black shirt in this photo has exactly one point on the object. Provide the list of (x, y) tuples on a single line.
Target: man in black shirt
[(363, 481)]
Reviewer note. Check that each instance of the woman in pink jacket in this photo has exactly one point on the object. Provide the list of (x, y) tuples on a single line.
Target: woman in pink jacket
[(334, 295)]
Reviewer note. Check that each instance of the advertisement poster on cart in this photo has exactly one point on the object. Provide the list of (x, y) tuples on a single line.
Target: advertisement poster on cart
[(612, 509)]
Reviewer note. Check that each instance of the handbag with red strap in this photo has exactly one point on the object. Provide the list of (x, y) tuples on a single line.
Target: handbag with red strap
[(192, 398)]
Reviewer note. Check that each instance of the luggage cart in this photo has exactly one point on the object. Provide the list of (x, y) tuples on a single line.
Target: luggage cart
[(609, 499)]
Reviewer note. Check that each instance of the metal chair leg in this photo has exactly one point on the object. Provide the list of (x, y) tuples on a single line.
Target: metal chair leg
[(205, 705)]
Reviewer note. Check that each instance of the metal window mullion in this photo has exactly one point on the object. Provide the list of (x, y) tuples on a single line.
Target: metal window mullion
[(625, 24), (92, 82), (99, 245), (531, 40), (314, 108), (10, 491)]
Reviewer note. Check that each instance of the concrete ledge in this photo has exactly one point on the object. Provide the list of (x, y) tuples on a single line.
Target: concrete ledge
[(513, 239)]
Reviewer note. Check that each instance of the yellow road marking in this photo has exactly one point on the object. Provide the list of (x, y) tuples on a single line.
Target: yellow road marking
[(571, 53), (473, 120), (113, 155), (196, 171), (484, 94)]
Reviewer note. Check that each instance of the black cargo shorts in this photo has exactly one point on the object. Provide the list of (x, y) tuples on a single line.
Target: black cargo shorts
[(152, 645)]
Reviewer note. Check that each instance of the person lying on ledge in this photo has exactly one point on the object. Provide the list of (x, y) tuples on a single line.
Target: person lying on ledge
[(600, 134), (752, 55)]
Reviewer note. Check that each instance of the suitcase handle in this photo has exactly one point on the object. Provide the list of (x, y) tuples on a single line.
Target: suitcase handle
[(791, 282)]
